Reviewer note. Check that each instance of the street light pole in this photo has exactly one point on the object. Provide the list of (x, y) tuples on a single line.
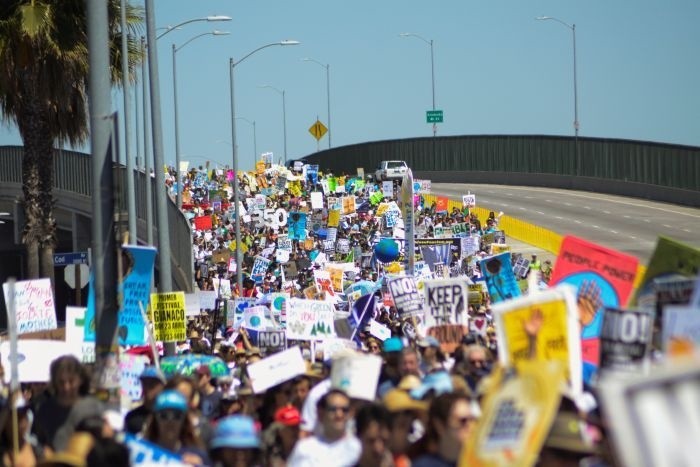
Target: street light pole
[(572, 27), (255, 138), (432, 67), (284, 117), (175, 111), (327, 66), (130, 188), (237, 208)]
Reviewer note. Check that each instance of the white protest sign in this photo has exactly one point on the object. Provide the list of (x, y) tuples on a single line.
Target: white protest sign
[(445, 301), (357, 375), (34, 357), (388, 189), (207, 299), (131, 367), (282, 256), (379, 331), (681, 327), (276, 369), (34, 305), (469, 200), (310, 319), (316, 200), (192, 304), (75, 334), (336, 345), (225, 287)]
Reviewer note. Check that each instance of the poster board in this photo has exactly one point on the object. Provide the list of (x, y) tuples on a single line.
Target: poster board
[(35, 308), (167, 313), (276, 369)]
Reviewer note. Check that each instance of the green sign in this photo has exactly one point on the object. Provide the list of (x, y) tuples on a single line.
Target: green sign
[(433, 116)]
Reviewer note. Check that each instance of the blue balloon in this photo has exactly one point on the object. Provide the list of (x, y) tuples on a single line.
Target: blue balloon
[(387, 250)]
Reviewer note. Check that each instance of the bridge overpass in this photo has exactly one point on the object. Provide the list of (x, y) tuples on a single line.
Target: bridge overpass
[(72, 188)]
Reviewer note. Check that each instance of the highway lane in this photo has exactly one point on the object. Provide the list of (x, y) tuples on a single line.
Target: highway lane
[(627, 224)]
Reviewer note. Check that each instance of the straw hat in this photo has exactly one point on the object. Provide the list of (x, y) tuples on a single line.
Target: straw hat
[(75, 454)]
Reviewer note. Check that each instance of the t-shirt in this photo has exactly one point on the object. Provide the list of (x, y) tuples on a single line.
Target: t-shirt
[(210, 405), (314, 451), (136, 419)]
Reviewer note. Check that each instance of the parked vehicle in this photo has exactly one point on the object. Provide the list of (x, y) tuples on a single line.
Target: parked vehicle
[(390, 170)]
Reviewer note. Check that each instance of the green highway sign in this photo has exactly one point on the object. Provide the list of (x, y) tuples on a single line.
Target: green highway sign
[(433, 116)]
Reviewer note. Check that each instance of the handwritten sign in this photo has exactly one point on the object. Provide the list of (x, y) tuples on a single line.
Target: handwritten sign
[(167, 313), (276, 369), (445, 301), (131, 367), (34, 305), (310, 319)]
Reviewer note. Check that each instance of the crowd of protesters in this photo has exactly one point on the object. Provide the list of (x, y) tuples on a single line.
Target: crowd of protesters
[(427, 403)]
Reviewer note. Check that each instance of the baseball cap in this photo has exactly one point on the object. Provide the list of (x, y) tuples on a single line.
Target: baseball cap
[(151, 372), (236, 431), (393, 344), (288, 416), (170, 399), (203, 370)]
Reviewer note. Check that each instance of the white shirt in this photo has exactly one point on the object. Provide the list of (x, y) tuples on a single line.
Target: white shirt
[(309, 414), (313, 452)]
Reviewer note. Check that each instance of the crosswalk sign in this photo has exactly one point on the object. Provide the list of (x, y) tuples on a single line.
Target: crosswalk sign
[(318, 129)]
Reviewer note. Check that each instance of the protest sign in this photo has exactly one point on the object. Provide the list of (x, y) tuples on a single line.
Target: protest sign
[(290, 270), (192, 304), (259, 269), (271, 342), (680, 329), (497, 248), (278, 304), (379, 330), (254, 317), (343, 246), (145, 453), (390, 219), (222, 287), (137, 267), (669, 257), (130, 369), (235, 310), (34, 357), (202, 223), (460, 230), (348, 204), (422, 187), (336, 276), (356, 374), (34, 305), (316, 200), (516, 418), (407, 299), (297, 226), (276, 369), (469, 200), (445, 301), (449, 335), (207, 299), (442, 204), (602, 278), (521, 268), (75, 334), (333, 218), (309, 319), (388, 189), (439, 250), (652, 418), (541, 327), (475, 294), (470, 245), (624, 339), (167, 313), (407, 213), (322, 279), (499, 277)]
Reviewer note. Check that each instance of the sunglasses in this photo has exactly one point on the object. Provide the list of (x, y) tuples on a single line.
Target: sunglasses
[(338, 408), (464, 421), (373, 347), (170, 416)]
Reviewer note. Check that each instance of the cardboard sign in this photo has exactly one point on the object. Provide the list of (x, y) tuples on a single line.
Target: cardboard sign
[(541, 327), (167, 313), (379, 330), (357, 375), (254, 317), (310, 319), (34, 305), (625, 337), (499, 277), (276, 369), (271, 342), (445, 301), (407, 299)]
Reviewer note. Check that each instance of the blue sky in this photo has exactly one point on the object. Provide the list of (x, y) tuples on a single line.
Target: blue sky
[(497, 71)]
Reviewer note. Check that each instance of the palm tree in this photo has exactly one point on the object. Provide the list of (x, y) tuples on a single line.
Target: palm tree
[(43, 90)]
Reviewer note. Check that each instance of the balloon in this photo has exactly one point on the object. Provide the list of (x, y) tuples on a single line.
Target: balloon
[(387, 250)]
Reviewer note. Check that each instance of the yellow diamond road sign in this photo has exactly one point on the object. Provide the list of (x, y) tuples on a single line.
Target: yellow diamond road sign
[(318, 129)]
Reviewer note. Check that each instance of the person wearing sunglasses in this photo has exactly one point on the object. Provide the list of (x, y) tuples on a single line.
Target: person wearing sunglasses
[(334, 445), (171, 428)]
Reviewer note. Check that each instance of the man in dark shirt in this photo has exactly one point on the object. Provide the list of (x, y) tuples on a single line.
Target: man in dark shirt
[(210, 398), (153, 382)]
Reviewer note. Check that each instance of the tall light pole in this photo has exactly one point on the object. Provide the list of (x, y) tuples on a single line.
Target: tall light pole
[(210, 18), (177, 123), (236, 196), (255, 138), (572, 27), (284, 116), (432, 67), (130, 185), (327, 66)]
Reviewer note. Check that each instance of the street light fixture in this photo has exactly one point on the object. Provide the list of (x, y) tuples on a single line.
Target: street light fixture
[(236, 195), (284, 116), (432, 66), (572, 27), (177, 124), (327, 66), (255, 138), (211, 18)]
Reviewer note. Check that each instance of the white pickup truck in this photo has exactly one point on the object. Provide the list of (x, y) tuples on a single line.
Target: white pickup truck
[(390, 170)]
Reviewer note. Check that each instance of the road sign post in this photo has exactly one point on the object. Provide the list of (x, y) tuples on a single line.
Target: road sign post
[(433, 116)]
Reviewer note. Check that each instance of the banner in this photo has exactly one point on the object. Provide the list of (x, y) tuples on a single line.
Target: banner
[(499, 277), (541, 327), (34, 305), (407, 299), (407, 213), (625, 337), (439, 250), (310, 319), (602, 278), (445, 301), (167, 313), (442, 204), (137, 270)]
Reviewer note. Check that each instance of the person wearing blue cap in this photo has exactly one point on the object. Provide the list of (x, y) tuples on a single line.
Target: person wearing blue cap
[(236, 442), (152, 383), (171, 428)]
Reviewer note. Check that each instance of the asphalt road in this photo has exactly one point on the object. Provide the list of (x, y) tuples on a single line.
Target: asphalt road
[(629, 225)]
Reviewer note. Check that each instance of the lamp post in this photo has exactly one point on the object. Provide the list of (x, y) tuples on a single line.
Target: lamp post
[(284, 117), (236, 196), (572, 27), (432, 67), (327, 66), (177, 124), (255, 138), (210, 18)]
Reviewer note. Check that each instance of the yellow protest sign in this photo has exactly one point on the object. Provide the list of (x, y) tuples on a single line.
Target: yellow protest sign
[(336, 278), (517, 415), (232, 246), (333, 218), (541, 327), (294, 188), (348, 205), (260, 167), (167, 313), (382, 209), (497, 248)]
